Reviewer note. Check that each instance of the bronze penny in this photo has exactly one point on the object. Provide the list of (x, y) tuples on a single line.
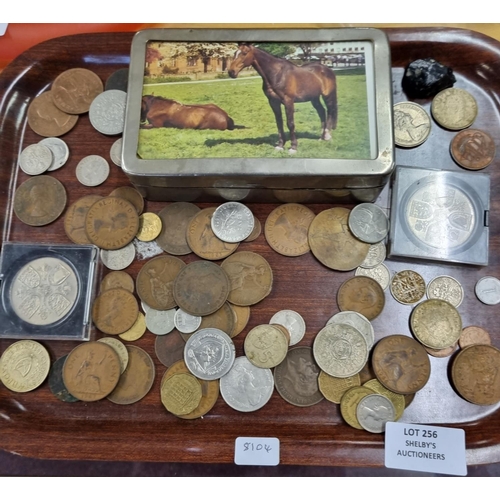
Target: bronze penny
[(473, 149), (175, 219), (251, 278), (296, 378), (442, 353), (169, 348), (474, 335), (401, 364), (130, 194), (91, 371), (137, 379), (202, 240), (201, 288), (115, 311), (111, 223), (476, 374), (332, 242), (46, 119), (155, 282), (39, 200), (74, 219), (223, 319), (363, 295), (242, 314), (257, 229), (366, 373), (286, 229), (117, 279), (56, 384), (74, 90)]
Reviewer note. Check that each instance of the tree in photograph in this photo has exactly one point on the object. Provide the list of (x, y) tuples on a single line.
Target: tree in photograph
[(206, 51)]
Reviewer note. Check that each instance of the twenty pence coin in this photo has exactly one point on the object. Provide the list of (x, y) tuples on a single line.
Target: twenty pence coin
[(74, 219), (363, 295), (266, 346), (333, 388), (349, 404), (115, 311)]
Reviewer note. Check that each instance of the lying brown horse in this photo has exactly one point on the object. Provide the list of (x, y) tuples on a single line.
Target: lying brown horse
[(285, 83), (161, 112)]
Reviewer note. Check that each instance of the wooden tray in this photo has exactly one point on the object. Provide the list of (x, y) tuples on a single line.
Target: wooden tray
[(38, 425)]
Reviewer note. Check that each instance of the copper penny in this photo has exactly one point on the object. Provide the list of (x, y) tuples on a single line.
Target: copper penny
[(286, 229), (332, 242), (223, 319), (74, 90), (476, 374), (169, 348), (155, 282), (251, 278), (442, 353), (130, 194), (401, 364), (474, 335), (202, 240), (39, 200), (473, 149), (74, 219), (175, 219), (407, 287), (46, 119), (201, 288), (257, 230), (115, 311), (363, 295), (242, 314), (91, 371), (111, 223), (117, 279), (137, 379)]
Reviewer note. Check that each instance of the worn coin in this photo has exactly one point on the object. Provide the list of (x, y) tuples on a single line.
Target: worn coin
[(136, 331), (149, 227), (60, 152), (117, 260), (232, 222), (24, 366), (40, 200), (333, 388), (130, 194), (488, 290), (332, 242), (473, 149), (349, 404), (35, 159), (202, 240), (242, 315), (120, 349), (441, 353), (115, 152), (407, 287), (412, 124), (118, 80), (356, 320), (107, 112), (251, 278), (46, 119), (398, 400), (476, 374), (186, 323), (160, 322), (293, 322), (374, 411), (368, 222), (363, 295), (454, 109), (257, 229), (74, 90), (91, 371), (181, 393), (117, 279), (376, 255), (266, 346), (56, 384), (137, 379), (446, 288), (380, 274), (169, 348), (111, 223), (473, 335), (115, 311), (224, 319), (92, 170), (74, 219)]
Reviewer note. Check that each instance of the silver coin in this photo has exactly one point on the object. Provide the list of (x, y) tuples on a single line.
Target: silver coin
[(246, 387), (107, 112), (379, 273), (35, 159), (118, 259), (185, 322), (160, 322), (412, 124), (488, 290), (44, 291), (374, 411), (368, 223), (209, 354), (293, 322), (232, 222), (358, 321), (446, 288), (145, 307), (92, 170), (115, 153), (376, 255), (60, 152)]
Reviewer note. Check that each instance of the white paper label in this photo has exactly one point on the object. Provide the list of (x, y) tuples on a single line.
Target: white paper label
[(3, 28), (256, 451), (425, 448)]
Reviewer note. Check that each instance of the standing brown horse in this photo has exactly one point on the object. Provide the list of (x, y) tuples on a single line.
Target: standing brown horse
[(284, 83)]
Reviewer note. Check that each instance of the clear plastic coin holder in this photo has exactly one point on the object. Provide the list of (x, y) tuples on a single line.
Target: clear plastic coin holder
[(47, 291)]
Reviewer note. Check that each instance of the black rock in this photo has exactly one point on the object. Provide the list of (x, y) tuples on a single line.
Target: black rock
[(427, 77)]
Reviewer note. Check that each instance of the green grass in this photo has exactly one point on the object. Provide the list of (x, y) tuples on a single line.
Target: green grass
[(244, 100)]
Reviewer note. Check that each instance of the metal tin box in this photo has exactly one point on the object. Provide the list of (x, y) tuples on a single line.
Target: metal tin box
[(212, 114)]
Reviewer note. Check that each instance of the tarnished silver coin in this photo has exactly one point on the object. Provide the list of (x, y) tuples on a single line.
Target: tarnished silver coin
[(92, 170), (160, 322), (60, 152), (35, 159), (44, 291), (115, 153), (379, 273), (376, 255), (293, 322), (446, 288), (118, 259), (185, 322), (246, 387), (107, 112), (488, 290), (145, 307), (412, 124), (209, 354), (368, 222), (356, 320), (374, 411), (232, 222)]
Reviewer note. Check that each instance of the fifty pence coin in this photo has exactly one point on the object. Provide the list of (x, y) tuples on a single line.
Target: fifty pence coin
[(446, 288), (368, 222), (488, 290), (186, 323), (118, 259), (412, 124), (92, 170), (374, 411), (60, 152), (107, 112), (293, 322), (35, 159), (232, 222)]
